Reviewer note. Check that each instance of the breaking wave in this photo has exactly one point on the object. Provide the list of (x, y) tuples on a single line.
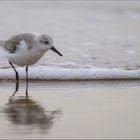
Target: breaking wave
[(52, 73)]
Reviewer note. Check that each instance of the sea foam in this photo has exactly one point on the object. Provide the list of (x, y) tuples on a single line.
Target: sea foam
[(51, 73)]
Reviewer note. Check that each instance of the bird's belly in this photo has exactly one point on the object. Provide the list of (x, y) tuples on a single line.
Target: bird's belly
[(24, 58)]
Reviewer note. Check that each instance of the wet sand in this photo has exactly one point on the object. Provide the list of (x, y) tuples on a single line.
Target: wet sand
[(62, 110)]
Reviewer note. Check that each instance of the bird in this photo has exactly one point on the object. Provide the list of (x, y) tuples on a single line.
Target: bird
[(26, 49)]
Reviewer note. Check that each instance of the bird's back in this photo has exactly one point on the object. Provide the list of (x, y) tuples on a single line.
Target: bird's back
[(11, 44)]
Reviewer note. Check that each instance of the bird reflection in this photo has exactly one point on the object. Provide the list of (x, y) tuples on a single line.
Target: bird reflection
[(23, 110)]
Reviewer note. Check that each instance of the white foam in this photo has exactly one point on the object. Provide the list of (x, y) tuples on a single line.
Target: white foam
[(51, 73)]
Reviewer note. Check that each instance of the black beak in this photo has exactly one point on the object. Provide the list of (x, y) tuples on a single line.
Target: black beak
[(56, 51)]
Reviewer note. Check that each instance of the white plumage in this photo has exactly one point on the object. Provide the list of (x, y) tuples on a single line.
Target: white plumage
[(26, 49)]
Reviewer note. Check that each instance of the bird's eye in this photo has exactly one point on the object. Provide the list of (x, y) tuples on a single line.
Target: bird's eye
[(46, 42)]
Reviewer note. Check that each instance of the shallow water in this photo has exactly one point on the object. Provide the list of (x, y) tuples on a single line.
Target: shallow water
[(101, 34), (90, 35), (71, 110)]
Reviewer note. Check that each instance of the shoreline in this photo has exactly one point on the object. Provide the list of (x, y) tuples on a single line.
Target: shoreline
[(72, 84), (71, 74)]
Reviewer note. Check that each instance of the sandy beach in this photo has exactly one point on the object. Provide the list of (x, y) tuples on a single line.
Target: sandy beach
[(70, 110), (90, 92)]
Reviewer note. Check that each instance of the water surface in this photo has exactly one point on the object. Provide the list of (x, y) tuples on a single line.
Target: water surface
[(71, 110)]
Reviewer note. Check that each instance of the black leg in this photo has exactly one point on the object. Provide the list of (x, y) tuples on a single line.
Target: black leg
[(27, 81), (17, 79)]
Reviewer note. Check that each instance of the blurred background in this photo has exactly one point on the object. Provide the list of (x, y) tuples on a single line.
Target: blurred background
[(102, 34)]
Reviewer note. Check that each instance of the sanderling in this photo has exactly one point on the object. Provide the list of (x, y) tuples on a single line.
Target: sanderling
[(26, 49)]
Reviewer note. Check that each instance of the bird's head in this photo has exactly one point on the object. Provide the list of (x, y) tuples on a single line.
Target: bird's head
[(45, 43)]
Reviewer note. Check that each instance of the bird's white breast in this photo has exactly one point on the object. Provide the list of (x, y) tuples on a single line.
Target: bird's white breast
[(24, 56)]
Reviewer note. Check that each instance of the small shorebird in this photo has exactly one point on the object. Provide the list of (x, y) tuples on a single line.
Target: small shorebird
[(26, 49)]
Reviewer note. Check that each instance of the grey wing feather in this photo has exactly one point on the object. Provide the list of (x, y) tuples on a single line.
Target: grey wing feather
[(11, 44)]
